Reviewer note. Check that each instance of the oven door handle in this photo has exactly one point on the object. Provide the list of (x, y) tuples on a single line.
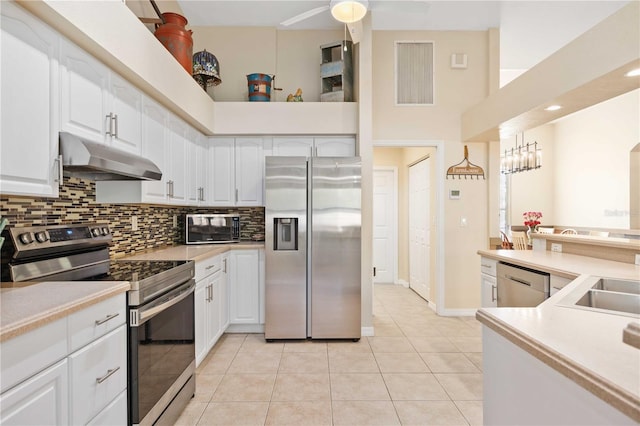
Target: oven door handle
[(138, 317)]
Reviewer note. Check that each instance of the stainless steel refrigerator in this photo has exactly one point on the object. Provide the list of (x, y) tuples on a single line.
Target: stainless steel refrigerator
[(312, 243)]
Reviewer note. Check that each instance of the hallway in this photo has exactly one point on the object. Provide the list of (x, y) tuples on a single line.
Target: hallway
[(419, 369)]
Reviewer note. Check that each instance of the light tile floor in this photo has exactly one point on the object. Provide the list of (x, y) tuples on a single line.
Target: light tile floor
[(419, 369)]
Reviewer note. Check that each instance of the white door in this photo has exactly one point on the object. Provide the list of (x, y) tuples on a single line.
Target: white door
[(419, 219), (178, 159), (384, 225)]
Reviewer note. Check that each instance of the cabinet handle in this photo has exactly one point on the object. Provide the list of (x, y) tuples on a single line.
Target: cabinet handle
[(209, 267), (58, 161), (115, 118), (224, 267), (106, 376), (493, 293), (107, 318), (109, 131), (170, 188), (485, 266), (236, 195)]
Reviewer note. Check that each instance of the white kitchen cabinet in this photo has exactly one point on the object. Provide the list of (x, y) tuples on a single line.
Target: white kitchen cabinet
[(126, 110), (244, 287), (84, 84), (40, 400), (29, 83), (113, 414), (96, 103), (224, 293), (249, 171), (320, 146), (208, 325), (488, 283), (177, 168), (196, 170), (156, 148), (98, 374), (53, 383), (236, 171), (335, 146)]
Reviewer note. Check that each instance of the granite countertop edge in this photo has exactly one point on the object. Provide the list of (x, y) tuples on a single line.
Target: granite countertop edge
[(11, 327)]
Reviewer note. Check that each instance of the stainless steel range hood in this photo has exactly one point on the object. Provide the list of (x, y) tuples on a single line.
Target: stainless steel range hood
[(90, 160)]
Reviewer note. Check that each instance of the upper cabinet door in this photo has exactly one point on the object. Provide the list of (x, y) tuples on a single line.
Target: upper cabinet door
[(335, 146), (155, 148), (292, 146), (126, 110), (85, 94), (220, 172), (29, 111), (178, 156), (249, 172)]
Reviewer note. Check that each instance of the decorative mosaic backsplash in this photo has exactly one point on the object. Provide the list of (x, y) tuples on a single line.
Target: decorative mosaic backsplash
[(77, 204)]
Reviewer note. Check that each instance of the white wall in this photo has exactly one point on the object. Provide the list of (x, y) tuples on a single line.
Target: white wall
[(292, 56), (592, 153), (455, 91)]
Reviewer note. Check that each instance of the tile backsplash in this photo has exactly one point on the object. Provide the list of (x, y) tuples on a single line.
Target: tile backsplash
[(76, 203)]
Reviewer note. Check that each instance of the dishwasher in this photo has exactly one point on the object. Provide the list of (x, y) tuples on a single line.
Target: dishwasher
[(521, 287)]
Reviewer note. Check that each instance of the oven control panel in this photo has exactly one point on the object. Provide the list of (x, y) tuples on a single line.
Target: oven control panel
[(53, 237)]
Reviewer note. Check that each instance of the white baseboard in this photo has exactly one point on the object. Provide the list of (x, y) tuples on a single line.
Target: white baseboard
[(245, 328), (367, 331), (403, 283), (458, 312), (433, 307)]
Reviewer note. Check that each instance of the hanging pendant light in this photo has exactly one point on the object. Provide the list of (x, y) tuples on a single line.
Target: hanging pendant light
[(348, 11), (522, 158)]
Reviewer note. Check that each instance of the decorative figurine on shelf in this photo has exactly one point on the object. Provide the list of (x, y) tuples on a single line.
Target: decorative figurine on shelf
[(295, 98), (206, 69)]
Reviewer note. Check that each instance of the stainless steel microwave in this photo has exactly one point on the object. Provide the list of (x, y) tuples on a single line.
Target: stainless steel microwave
[(212, 228)]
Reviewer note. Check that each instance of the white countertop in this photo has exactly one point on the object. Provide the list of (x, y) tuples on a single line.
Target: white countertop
[(25, 306), (193, 252), (584, 345), (565, 264)]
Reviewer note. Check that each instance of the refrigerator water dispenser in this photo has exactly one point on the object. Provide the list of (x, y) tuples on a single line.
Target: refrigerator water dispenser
[(285, 236)]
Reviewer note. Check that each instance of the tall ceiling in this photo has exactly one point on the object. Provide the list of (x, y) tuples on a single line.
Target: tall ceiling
[(529, 30)]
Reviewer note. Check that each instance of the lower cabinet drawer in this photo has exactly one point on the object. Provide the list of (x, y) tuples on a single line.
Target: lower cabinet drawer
[(98, 373), (113, 414)]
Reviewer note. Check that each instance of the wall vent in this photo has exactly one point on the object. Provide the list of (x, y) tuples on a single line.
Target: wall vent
[(414, 73)]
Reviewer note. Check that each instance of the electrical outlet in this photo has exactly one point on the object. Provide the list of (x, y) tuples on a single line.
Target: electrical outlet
[(556, 247), (134, 223), (637, 259), (175, 220)]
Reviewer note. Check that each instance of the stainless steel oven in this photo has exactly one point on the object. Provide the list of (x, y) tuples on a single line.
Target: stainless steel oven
[(160, 307), (212, 228)]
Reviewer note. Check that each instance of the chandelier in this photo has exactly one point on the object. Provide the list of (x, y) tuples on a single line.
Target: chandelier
[(521, 158)]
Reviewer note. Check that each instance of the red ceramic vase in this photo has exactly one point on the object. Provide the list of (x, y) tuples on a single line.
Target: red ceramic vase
[(177, 39)]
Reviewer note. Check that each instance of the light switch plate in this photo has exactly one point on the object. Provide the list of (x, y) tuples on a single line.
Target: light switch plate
[(175, 220), (134, 223), (556, 247), (637, 259)]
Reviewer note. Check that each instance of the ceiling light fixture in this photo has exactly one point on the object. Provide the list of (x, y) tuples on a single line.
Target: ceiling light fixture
[(552, 108), (521, 158), (633, 73), (349, 11)]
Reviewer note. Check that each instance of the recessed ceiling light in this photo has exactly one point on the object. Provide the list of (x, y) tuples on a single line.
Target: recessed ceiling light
[(553, 108), (633, 73)]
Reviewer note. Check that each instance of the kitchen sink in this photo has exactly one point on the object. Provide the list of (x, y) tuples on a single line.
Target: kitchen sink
[(606, 295)]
